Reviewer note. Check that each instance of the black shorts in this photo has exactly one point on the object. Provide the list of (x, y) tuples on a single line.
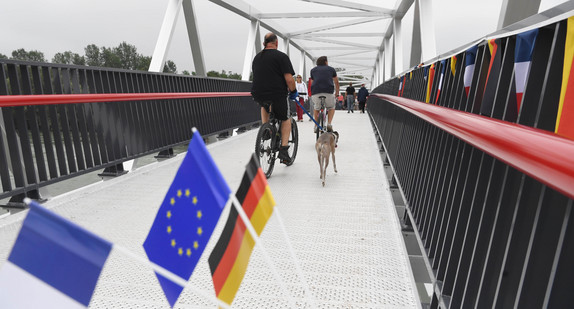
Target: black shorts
[(281, 107)]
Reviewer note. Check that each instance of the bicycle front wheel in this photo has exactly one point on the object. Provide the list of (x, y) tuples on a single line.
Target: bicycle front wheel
[(264, 148), (293, 141)]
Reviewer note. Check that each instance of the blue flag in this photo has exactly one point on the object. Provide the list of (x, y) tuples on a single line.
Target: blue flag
[(53, 263), (187, 216)]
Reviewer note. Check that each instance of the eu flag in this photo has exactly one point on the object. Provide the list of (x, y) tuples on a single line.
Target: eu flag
[(187, 216)]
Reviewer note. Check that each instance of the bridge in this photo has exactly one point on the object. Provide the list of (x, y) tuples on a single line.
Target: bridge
[(454, 190)]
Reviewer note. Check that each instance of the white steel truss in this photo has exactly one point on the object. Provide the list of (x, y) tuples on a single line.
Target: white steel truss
[(349, 33)]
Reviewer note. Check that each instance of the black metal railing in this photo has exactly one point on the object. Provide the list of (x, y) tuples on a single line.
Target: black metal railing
[(44, 144), (495, 235)]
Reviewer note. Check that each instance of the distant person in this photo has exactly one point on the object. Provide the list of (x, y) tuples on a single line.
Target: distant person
[(273, 85), (350, 91), (302, 90), (362, 96), (340, 100), (325, 83)]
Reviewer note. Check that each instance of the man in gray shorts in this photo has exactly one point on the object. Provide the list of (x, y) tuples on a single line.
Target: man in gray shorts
[(325, 83)]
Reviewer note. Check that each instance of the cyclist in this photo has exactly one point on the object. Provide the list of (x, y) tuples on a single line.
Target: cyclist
[(273, 85), (325, 83)]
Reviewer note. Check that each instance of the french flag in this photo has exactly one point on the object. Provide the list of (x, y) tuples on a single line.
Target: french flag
[(442, 67), (53, 264), (400, 87), (470, 60), (522, 59)]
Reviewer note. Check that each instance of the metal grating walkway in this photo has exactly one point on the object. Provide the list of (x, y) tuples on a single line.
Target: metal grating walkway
[(346, 235)]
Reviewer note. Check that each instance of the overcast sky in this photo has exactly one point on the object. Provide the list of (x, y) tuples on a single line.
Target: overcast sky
[(60, 25)]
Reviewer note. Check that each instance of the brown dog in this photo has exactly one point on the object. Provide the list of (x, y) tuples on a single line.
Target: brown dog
[(325, 145)]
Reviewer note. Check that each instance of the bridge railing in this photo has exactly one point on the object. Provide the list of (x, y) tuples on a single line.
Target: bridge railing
[(490, 195), (58, 121)]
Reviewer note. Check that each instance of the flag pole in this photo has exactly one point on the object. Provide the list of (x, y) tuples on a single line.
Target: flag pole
[(257, 239), (160, 270), (170, 276), (295, 260)]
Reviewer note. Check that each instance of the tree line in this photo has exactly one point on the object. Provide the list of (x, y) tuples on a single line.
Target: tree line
[(124, 56)]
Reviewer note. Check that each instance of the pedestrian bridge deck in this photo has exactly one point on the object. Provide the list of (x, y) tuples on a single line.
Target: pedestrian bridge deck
[(346, 236)]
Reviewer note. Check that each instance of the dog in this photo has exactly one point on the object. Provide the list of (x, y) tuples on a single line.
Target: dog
[(325, 146)]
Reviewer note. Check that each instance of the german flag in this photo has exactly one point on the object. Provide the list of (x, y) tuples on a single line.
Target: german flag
[(565, 119), (229, 259)]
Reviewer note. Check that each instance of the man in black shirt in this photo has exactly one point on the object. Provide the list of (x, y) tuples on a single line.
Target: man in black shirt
[(273, 85), (362, 96), (350, 98)]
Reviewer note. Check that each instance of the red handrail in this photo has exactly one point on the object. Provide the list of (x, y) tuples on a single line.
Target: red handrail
[(543, 155), (21, 100)]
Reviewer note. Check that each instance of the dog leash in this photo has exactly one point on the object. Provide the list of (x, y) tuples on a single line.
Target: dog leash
[(311, 117)]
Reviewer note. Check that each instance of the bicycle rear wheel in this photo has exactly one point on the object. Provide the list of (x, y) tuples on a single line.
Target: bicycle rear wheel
[(321, 122), (293, 141), (264, 148)]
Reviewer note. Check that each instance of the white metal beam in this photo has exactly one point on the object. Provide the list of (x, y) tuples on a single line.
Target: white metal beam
[(249, 49), (351, 54), (245, 10), (194, 40), (165, 34), (513, 11), (336, 26), (416, 42), (342, 35), (358, 49), (258, 43), (381, 76), (354, 64), (398, 44), (352, 5), (316, 39), (428, 41), (388, 60), (302, 66), (321, 15), (286, 43)]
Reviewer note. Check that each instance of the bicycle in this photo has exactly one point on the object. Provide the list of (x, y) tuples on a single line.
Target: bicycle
[(322, 118), (268, 142)]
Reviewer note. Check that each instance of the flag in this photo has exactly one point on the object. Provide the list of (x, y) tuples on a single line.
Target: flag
[(469, 62), (187, 216), (492, 77), (442, 68), (228, 260), (429, 83), (522, 59), (402, 85), (565, 118), (53, 263), (453, 65)]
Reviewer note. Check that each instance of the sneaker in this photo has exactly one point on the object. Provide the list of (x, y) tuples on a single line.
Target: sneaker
[(315, 130), (284, 155)]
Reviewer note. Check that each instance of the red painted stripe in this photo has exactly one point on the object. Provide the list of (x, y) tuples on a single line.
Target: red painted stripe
[(46, 99), (228, 260), (255, 192), (543, 155), (518, 101)]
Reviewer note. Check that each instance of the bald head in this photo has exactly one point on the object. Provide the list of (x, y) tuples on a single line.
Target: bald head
[(270, 40)]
